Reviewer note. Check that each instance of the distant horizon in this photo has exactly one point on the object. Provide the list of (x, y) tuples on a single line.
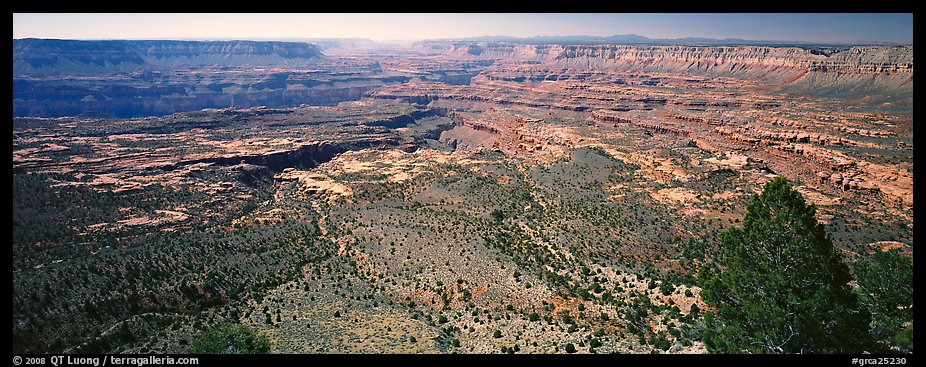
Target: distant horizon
[(820, 28), (505, 38)]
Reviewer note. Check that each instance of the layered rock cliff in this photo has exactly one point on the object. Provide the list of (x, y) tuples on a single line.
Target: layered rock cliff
[(49, 56), (725, 59), (853, 73)]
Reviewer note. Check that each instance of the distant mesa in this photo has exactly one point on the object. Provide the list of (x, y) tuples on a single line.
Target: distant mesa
[(119, 78), (53, 56), (857, 70), (636, 39)]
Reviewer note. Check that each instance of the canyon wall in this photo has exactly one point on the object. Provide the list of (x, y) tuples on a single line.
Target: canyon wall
[(862, 71), (54, 78), (55, 57)]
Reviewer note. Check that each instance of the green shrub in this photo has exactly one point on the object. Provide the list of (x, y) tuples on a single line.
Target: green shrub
[(230, 339)]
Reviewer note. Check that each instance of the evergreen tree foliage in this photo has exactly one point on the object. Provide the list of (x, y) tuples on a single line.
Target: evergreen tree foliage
[(231, 339), (886, 288), (570, 348), (781, 287)]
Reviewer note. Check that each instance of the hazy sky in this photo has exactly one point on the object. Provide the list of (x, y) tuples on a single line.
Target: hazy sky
[(378, 27)]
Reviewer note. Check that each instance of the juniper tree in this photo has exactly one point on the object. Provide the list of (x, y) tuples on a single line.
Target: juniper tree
[(886, 288), (781, 286), (231, 339)]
